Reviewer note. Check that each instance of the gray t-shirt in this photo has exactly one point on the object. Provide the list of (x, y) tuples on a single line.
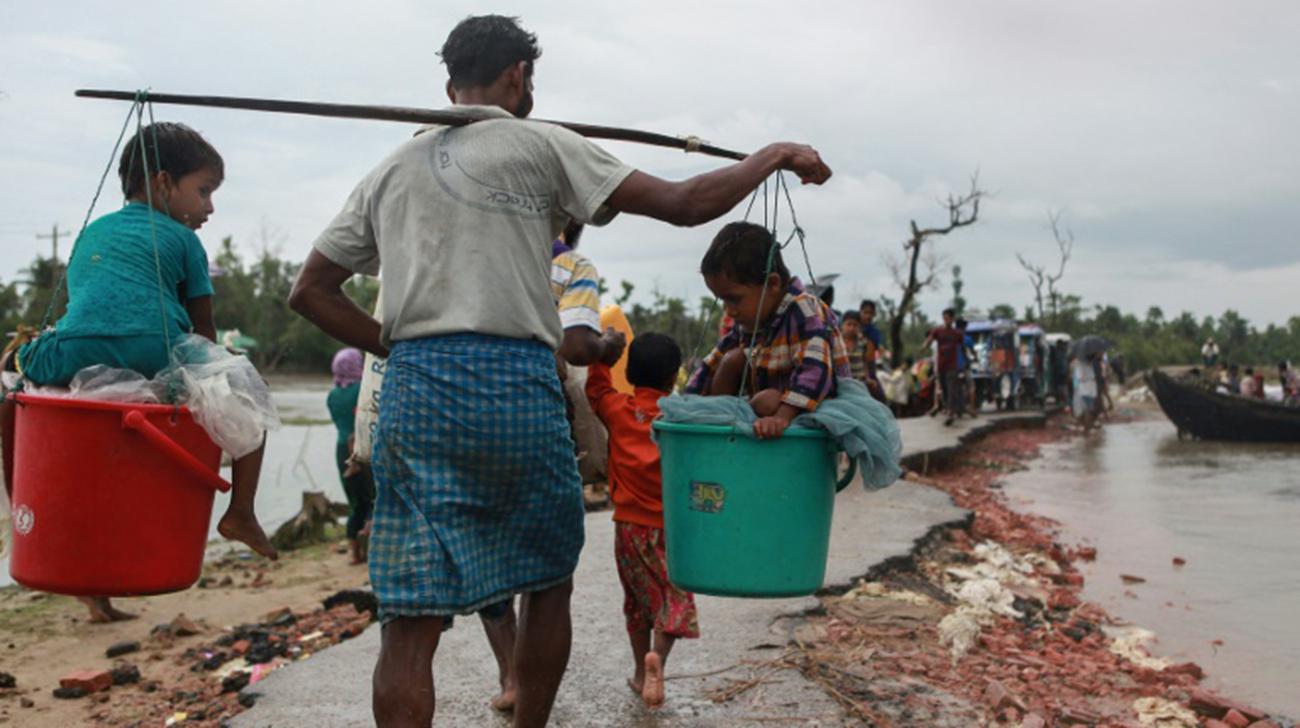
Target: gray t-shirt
[(458, 222)]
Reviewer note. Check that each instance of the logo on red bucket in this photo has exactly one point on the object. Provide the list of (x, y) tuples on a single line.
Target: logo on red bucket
[(24, 519)]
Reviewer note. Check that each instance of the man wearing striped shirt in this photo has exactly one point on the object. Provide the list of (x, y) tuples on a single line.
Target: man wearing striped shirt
[(576, 287)]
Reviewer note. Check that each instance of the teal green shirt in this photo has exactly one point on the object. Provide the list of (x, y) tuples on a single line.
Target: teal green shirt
[(113, 277), (342, 404)]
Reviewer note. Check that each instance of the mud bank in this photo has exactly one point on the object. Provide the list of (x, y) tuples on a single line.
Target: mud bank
[(187, 655), (985, 625)]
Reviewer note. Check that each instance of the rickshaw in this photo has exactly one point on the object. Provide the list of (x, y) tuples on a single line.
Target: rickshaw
[(1031, 383), (993, 371)]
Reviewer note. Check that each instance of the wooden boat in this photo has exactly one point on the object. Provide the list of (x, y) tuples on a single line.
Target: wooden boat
[(1197, 410)]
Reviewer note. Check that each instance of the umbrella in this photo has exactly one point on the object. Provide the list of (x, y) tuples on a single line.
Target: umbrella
[(1088, 345)]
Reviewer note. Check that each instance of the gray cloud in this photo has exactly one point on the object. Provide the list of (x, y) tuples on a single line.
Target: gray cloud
[(1164, 130)]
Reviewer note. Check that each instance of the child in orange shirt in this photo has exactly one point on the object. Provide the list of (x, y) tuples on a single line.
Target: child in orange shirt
[(657, 613)]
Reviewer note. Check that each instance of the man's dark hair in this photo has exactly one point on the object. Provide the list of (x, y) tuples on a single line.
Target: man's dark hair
[(572, 233), (481, 47), (740, 251), (653, 361), (170, 147), (867, 302), (950, 312)]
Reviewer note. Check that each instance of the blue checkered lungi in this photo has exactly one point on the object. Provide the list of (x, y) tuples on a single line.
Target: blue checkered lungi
[(477, 490)]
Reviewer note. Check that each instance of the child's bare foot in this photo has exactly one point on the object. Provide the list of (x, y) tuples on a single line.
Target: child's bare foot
[(246, 529), (637, 685), (102, 610), (358, 552), (652, 693), (505, 702)]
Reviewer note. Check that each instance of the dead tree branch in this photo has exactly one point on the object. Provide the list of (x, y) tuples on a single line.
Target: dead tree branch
[(963, 210)]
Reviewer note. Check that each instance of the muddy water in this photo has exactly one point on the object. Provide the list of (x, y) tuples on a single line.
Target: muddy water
[(299, 457), (1231, 511)]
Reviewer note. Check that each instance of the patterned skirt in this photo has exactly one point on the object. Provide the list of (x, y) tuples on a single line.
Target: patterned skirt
[(477, 490), (650, 601)]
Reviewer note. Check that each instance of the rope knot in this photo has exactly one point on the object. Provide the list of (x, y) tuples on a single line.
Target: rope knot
[(693, 143)]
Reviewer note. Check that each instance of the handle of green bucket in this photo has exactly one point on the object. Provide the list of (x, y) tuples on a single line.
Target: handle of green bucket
[(135, 420), (848, 475)]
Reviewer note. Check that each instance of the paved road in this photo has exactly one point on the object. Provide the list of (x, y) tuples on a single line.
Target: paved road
[(333, 688)]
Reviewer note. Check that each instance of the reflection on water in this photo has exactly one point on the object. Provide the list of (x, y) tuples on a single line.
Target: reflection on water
[(1231, 510), (298, 458)]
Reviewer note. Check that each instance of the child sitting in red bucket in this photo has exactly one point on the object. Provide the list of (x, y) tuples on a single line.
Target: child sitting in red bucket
[(798, 353), (113, 278), (657, 613)]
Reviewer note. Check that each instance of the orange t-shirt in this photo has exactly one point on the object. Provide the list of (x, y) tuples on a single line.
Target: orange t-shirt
[(635, 483)]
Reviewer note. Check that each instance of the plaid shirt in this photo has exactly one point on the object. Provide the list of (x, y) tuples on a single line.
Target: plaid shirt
[(799, 351)]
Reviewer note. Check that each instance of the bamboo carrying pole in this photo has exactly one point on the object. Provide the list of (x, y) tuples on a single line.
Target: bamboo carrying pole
[(405, 114)]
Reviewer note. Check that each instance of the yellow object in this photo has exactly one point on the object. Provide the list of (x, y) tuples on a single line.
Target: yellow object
[(612, 316)]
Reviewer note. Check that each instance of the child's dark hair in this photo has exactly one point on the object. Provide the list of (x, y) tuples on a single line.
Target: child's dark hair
[(867, 303), (170, 147), (740, 251), (481, 47), (850, 315), (653, 361), (950, 312)]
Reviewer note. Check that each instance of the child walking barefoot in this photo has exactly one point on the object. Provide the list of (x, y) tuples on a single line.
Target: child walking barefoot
[(657, 613), (114, 274)]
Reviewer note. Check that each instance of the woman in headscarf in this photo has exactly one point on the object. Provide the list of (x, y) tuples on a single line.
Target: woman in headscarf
[(357, 483)]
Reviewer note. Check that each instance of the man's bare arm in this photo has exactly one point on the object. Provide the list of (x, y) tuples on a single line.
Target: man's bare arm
[(318, 297), (710, 195)]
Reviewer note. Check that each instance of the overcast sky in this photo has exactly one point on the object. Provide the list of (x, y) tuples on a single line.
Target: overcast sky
[(1165, 132)]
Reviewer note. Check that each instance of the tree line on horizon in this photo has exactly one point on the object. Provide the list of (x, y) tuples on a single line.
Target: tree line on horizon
[(251, 294)]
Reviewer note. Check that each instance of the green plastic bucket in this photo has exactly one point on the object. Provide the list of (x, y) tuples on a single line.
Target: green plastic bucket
[(746, 517)]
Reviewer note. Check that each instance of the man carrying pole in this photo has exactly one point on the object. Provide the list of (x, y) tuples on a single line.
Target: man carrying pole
[(478, 494)]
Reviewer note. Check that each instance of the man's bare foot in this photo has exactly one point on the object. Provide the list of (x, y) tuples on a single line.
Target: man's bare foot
[(652, 693), (102, 610), (246, 529), (505, 702)]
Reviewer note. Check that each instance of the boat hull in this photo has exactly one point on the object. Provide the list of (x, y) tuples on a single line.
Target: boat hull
[(1213, 416)]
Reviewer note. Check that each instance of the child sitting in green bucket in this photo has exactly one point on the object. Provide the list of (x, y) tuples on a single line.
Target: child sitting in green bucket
[(117, 267), (657, 613), (798, 353)]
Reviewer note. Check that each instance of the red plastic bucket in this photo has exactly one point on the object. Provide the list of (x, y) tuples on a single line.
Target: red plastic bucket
[(110, 499)]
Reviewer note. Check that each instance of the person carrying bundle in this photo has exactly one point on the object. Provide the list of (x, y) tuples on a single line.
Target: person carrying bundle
[(478, 493)]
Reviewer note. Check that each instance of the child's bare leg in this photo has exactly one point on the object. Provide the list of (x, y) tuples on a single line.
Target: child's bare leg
[(501, 633), (652, 692), (240, 523), (640, 640), (8, 416), (726, 380), (102, 610)]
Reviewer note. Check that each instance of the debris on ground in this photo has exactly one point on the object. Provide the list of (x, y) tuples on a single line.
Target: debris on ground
[(988, 626)]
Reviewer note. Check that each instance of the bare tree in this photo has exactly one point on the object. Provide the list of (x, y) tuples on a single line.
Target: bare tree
[(962, 210), (1038, 275)]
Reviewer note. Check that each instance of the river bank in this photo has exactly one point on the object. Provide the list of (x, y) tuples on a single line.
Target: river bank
[(987, 625), (180, 657)]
